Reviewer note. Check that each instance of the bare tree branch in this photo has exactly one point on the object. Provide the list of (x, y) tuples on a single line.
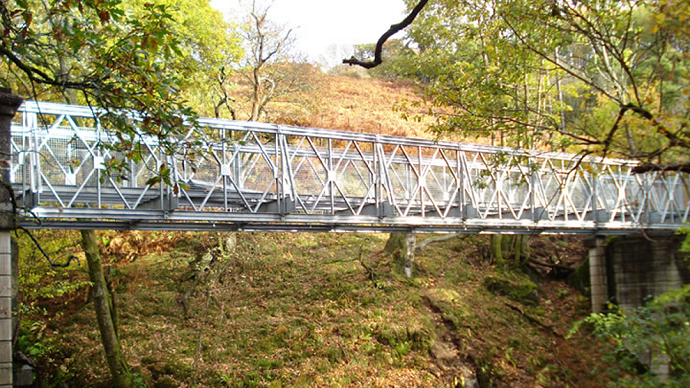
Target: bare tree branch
[(649, 167), (379, 45)]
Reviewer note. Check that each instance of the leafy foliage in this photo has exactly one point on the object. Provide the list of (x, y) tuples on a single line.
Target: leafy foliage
[(118, 56), (610, 77), (658, 332), (38, 280)]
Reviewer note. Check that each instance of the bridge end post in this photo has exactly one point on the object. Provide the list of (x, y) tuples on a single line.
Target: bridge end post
[(597, 273), (9, 103)]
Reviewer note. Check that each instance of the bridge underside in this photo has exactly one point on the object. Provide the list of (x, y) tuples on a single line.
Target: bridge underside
[(266, 177), (156, 212), (325, 228)]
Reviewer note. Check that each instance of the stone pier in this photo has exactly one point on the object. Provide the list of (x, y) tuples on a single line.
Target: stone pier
[(598, 279), (631, 270), (644, 268), (9, 104)]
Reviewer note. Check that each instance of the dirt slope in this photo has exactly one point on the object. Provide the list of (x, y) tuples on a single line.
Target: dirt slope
[(325, 310)]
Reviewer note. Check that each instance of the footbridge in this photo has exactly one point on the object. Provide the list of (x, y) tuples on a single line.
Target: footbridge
[(272, 177)]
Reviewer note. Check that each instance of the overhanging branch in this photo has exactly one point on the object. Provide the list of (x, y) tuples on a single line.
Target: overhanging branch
[(379, 45), (649, 167)]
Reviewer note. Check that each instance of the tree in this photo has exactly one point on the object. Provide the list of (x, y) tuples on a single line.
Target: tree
[(208, 48), (121, 57), (635, 66), (269, 67), (105, 314), (120, 63), (599, 76), (596, 76)]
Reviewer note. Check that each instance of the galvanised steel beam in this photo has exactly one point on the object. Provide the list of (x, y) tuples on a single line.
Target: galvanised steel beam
[(273, 177)]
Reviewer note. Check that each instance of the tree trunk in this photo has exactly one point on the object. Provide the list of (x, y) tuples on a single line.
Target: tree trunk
[(504, 247), (122, 378), (520, 249), (496, 248), (402, 247), (411, 240)]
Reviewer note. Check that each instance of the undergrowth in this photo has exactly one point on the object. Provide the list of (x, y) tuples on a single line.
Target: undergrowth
[(315, 310)]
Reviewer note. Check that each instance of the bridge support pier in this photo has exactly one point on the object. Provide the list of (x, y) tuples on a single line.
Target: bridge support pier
[(597, 273), (643, 268), (632, 270), (9, 104)]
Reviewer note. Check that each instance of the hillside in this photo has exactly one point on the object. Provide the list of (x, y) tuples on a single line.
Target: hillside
[(349, 104), (311, 310), (368, 105), (319, 310)]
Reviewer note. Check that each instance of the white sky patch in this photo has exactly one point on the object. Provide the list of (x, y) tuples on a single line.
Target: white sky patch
[(324, 28)]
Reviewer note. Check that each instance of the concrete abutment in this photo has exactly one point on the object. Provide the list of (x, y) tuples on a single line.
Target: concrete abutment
[(629, 271)]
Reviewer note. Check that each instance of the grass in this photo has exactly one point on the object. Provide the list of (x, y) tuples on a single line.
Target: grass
[(300, 310)]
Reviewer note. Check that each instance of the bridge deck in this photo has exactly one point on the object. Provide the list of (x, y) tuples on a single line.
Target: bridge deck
[(271, 177)]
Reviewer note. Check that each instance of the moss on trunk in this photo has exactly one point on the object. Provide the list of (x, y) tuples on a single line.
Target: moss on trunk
[(122, 377)]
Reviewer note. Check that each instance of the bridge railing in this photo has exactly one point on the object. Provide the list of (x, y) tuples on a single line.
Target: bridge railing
[(262, 175)]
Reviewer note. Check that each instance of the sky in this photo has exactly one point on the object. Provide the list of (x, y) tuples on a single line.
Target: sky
[(324, 28)]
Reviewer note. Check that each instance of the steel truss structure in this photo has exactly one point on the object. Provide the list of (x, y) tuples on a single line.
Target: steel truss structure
[(274, 177)]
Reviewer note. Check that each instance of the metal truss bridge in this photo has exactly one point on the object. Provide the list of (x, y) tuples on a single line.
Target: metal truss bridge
[(281, 178)]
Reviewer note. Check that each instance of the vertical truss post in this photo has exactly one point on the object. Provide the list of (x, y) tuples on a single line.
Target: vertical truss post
[(463, 174), (420, 180), (279, 170), (35, 159), (132, 181), (377, 178), (595, 199), (98, 164), (645, 199), (225, 171), (28, 172), (384, 181), (499, 191), (171, 197), (408, 183), (532, 189), (460, 183), (289, 195), (330, 176)]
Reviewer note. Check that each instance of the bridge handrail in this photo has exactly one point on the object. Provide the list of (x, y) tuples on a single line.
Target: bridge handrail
[(287, 130)]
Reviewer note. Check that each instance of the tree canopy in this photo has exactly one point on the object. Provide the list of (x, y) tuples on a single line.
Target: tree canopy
[(605, 77), (155, 58)]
